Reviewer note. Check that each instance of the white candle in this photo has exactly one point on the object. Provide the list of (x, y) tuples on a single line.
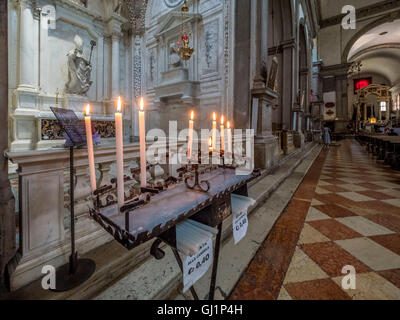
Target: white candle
[(229, 133), (89, 141), (190, 138), (222, 134), (214, 131), (120, 154), (142, 135)]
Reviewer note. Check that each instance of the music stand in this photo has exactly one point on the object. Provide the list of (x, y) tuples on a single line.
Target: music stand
[(77, 271)]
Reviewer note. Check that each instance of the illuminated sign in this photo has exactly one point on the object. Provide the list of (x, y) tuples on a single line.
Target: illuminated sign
[(361, 83)]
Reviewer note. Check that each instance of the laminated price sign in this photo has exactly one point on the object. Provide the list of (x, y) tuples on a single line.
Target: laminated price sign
[(240, 225), (194, 267)]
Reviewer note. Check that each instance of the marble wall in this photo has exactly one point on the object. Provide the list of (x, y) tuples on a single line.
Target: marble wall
[(38, 64), (174, 88)]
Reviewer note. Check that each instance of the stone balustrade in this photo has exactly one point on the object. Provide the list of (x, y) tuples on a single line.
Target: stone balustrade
[(44, 204)]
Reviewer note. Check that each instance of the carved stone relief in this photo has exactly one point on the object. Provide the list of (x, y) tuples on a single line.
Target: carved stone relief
[(210, 48), (152, 69)]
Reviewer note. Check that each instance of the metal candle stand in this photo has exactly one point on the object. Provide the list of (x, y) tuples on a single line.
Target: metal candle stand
[(209, 207), (77, 271)]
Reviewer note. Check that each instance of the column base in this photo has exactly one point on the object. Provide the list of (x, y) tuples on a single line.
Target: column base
[(298, 139), (266, 152)]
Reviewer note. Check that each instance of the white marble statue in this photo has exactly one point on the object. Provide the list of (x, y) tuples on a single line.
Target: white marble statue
[(174, 59), (112, 6), (79, 70)]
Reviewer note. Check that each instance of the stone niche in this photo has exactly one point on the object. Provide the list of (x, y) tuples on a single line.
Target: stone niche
[(45, 69), (178, 89)]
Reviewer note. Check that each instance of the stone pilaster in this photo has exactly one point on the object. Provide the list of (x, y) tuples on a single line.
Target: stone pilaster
[(265, 143), (7, 210), (114, 28), (289, 48), (259, 27)]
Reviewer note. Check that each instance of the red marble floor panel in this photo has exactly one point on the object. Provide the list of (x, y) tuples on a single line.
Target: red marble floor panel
[(333, 198), (264, 276), (331, 258), (334, 181), (305, 192), (388, 221), (334, 230), (379, 207), (390, 241), (324, 289), (391, 275), (375, 195), (334, 188), (370, 186), (335, 211)]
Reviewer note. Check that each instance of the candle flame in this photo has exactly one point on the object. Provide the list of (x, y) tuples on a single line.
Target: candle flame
[(87, 110), (229, 124), (119, 105), (222, 120), (210, 142), (215, 116), (192, 116), (141, 104)]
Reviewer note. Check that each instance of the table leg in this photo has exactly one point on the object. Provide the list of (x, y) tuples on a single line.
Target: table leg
[(215, 263)]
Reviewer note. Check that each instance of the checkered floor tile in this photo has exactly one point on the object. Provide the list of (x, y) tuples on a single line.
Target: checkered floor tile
[(354, 219)]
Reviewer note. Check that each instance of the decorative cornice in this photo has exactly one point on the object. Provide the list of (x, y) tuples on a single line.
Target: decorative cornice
[(287, 44), (367, 11), (337, 70)]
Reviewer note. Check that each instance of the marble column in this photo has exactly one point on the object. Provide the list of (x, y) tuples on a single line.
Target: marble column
[(287, 98), (27, 72), (7, 209), (115, 66), (259, 28)]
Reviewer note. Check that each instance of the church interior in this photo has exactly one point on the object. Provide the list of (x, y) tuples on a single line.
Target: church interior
[(105, 105)]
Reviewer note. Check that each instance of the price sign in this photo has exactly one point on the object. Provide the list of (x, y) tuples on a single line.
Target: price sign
[(195, 267), (240, 225)]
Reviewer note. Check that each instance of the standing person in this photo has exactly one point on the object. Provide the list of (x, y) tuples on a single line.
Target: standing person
[(327, 137)]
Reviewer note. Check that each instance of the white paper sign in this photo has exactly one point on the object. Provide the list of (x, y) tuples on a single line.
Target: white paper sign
[(240, 225), (195, 267)]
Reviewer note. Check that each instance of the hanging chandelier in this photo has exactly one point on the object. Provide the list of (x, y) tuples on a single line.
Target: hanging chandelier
[(184, 51)]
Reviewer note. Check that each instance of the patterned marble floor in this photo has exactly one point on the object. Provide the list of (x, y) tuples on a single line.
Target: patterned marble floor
[(346, 212)]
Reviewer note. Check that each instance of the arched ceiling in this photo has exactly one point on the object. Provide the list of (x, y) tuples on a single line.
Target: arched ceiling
[(386, 33), (379, 51)]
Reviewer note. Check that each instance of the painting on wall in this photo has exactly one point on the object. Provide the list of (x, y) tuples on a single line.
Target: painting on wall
[(273, 74), (330, 106)]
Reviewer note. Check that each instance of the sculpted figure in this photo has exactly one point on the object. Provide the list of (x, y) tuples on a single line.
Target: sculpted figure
[(79, 70)]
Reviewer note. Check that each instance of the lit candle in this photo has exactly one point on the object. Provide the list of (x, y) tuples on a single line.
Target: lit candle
[(210, 146), (89, 141), (190, 139), (222, 134), (120, 154), (142, 135), (229, 132), (214, 131)]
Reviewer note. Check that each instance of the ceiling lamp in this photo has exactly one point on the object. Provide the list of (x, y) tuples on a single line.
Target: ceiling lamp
[(185, 52)]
